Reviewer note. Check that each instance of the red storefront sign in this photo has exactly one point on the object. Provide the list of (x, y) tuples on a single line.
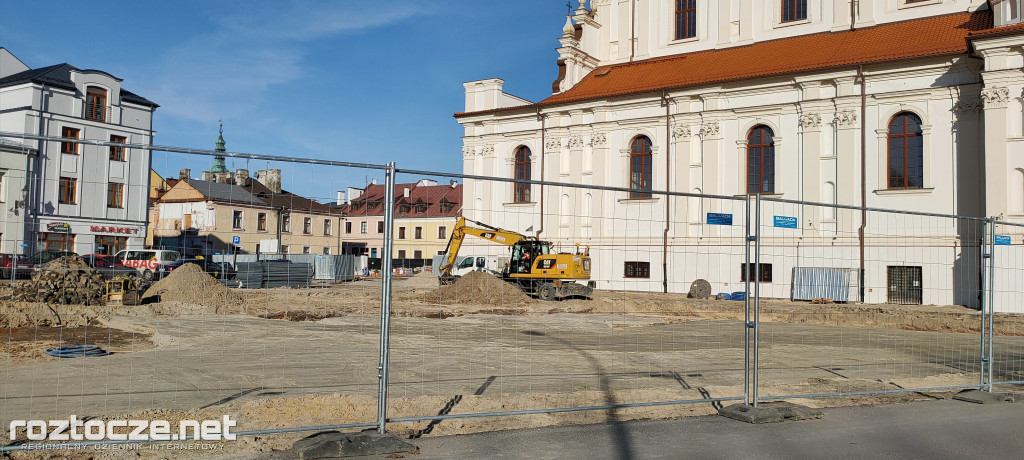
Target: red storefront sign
[(114, 230)]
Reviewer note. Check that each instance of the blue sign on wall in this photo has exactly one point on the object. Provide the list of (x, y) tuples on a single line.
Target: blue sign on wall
[(1002, 240), (715, 218), (236, 240), (785, 222)]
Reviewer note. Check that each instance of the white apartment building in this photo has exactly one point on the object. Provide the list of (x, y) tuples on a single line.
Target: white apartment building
[(82, 198), (919, 101)]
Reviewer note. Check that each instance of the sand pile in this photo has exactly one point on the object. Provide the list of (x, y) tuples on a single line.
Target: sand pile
[(482, 288), (190, 284)]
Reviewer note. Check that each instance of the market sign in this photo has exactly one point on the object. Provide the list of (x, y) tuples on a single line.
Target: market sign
[(115, 230), (62, 227)]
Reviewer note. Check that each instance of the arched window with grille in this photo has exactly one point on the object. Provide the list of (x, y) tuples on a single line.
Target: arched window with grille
[(96, 103), (523, 172), (761, 160), (640, 167), (905, 152)]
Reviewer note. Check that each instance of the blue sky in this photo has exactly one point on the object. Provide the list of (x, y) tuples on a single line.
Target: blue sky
[(367, 81)]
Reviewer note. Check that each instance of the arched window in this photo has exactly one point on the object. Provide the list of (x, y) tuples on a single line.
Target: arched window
[(522, 190), (761, 160), (96, 103), (640, 167), (906, 151)]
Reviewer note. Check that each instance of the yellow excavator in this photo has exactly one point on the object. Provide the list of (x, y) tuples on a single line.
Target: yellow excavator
[(532, 266)]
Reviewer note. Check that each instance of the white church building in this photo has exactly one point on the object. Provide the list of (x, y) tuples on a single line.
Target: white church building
[(892, 104)]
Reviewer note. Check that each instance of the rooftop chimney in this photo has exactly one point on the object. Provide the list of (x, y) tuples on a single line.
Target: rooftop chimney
[(406, 193), (270, 178), (352, 193), (242, 177), (184, 174), (207, 176), (341, 198)]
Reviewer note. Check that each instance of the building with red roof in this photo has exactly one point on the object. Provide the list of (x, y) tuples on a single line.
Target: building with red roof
[(425, 214), (897, 104)]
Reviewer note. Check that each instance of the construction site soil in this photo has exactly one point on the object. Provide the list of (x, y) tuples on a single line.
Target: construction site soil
[(26, 328), (190, 284)]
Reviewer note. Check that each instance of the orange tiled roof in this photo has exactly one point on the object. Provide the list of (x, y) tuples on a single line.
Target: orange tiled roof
[(932, 36), (1005, 30)]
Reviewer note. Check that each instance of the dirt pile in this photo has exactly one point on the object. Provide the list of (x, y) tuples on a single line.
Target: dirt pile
[(481, 288), (191, 285), (68, 280)]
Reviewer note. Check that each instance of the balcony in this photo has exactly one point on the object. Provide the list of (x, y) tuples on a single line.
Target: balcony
[(100, 113)]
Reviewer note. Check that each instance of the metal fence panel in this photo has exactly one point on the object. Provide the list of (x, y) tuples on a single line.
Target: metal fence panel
[(914, 323), (482, 345), (1007, 303), (810, 283), (272, 359)]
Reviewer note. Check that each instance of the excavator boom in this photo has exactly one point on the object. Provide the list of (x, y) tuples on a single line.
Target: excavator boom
[(487, 232)]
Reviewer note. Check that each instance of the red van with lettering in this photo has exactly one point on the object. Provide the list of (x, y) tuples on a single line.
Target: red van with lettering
[(146, 261)]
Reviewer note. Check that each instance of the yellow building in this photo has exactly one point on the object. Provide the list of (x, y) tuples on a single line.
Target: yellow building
[(424, 217), (236, 214)]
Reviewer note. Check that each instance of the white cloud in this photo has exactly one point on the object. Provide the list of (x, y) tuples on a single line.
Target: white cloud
[(227, 71)]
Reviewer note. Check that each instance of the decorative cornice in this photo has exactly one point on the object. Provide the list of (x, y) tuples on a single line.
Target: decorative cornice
[(553, 144), (598, 139), (845, 118), (468, 150), (576, 141), (810, 120), (681, 131), (487, 150), (996, 96)]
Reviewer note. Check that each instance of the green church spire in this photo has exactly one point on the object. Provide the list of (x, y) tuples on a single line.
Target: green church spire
[(218, 161)]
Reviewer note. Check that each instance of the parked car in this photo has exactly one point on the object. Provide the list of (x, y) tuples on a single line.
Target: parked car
[(147, 261), (108, 266), (8, 262), (217, 270), (43, 257)]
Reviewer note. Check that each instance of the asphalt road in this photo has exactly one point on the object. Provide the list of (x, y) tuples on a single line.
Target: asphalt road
[(926, 430)]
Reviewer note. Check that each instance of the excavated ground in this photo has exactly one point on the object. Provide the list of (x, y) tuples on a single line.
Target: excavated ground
[(283, 338)]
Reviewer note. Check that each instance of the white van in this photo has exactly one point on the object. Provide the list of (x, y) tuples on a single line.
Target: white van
[(146, 261), (465, 264)]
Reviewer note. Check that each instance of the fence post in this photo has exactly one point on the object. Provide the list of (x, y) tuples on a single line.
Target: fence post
[(747, 324), (385, 299), (986, 263), (991, 295), (757, 291)]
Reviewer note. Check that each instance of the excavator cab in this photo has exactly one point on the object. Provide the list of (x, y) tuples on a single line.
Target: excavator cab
[(524, 256)]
